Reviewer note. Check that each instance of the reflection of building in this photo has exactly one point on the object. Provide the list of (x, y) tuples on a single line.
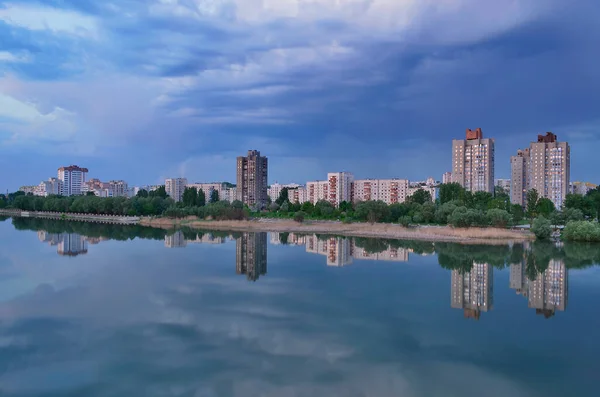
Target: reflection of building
[(251, 255), (72, 244), (518, 279), (549, 291), (51, 238), (175, 240), (337, 249), (290, 238), (390, 254), (207, 239), (473, 291)]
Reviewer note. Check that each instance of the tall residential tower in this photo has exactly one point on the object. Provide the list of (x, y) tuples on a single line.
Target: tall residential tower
[(72, 179), (473, 162), (252, 175)]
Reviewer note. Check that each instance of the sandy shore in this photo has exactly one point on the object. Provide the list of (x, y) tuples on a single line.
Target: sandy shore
[(378, 230)]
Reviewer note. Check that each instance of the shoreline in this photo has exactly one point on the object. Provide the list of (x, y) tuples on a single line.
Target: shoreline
[(376, 230)]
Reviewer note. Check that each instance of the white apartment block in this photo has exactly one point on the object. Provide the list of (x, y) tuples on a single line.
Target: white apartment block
[(340, 187), (503, 183), (390, 191), (49, 187), (473, 162), (73, 179), (433, 191), (317, 191), (447, 177), (228, 194), (175, 187), (28, 189), (582, 188), (298, 195), (119, 188), (275, 189)]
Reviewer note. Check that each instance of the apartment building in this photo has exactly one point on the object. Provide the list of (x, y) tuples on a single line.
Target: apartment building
[(175, 187), (432, 190), (298, 195), (473, 291), (317, 191), (28, 189), (390, 191), (49, 187), (119, 188), (473, 162), (447, 177), (545, 166), (582, 188), (503, 183), (275, 189), (72, 179), (340, 187), (252, 177)]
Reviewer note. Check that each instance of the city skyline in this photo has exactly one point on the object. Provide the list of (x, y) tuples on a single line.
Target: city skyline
[(377, 88)]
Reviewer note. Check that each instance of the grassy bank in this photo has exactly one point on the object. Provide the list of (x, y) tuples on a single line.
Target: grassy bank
[(377, 230)]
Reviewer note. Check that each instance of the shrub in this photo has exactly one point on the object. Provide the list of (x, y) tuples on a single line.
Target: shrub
[(582, 231), (498, 218), (299, 216), (405, 220), (541, 228)]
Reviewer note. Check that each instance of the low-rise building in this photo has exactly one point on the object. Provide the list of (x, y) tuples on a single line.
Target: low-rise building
[(582, 187), (275, 189), (49, 187)]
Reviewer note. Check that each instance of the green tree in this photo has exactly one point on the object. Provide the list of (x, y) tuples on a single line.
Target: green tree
[(214, 196), (299, 216), (372, 211), (346, 206), (451, 192), (541, 228), (498, 218), (405, 220), (159, 192), (324, 208), (189, 197), (201, 201), (532, 201), (283, 196), (517, 213), (308, 207), (142, 193), (545, 207), (481, 200), (421, 196)]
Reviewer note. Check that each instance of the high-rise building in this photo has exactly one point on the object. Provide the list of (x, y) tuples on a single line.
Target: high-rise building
[(252, 177), (447, 177), (251, 255), (473, 291), (175, 187), (72, 179), (473, 162), (545, 166), (340, 187)]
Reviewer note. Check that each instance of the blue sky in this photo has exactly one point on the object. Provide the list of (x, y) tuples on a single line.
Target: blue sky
[(146, 89)]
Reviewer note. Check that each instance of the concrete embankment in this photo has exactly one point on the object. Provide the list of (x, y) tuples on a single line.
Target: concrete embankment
[(117, 219)]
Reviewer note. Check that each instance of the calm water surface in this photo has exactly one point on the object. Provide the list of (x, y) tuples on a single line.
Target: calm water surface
[(96, 310)]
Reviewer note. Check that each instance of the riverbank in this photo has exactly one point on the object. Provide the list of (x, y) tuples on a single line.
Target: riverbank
[(377, 230), (115, 219)]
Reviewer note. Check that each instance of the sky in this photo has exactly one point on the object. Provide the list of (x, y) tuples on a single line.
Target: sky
[(142, 90)]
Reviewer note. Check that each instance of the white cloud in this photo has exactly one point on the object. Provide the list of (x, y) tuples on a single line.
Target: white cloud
[(6, 56), (46, 18)]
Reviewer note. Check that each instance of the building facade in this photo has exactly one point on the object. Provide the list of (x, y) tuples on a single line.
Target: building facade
[(340, 187), (546, 167), (582, 188), (53, 186), (317, 191), (72, 180), (175, 187), (447, 177), (252, 177), (504, 184), (473, 162), (275, 190), (390, 191)]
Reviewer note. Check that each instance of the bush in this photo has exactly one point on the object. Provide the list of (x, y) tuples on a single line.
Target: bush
[(498, 218), (405, 220), (299, 216), (541, 228), (582, 231)]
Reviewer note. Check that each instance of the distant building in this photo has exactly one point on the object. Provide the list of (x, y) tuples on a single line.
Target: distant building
[(447, 177), (72, 244), (582, 188), (340, 187), (390, 191), (175, 187), (28, 189), (473, 291), (546, 167), (72, 179), (432, 190), (251, 255), (504, 184), (252, 177), (317, 191), (53, 186), (298, 195), (473, 162), (275, 190), (119, 188)]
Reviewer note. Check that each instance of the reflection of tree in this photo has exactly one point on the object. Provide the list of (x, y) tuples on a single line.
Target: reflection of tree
[(517, 253), (3, 218), (371, 245), (284, 237), (455, 256)]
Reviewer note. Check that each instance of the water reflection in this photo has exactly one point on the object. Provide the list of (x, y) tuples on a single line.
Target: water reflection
[(539, 272)]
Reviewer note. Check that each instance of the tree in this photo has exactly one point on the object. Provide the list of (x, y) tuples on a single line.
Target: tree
[(532, 201), (189, 197), (308, 207), (517, 213), (541, 228), (159, 192), (201, 200), (237, 204), (346, 206), (451, 192), (372, 211), (500, 192), (405, 220), (273, 207), (421, 196), (142, 193), (285, 207), (481, 200), (545, 207), (324, 208), (283, 196), (299, 216), (90, 194), (498, 218), (214, 196)]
